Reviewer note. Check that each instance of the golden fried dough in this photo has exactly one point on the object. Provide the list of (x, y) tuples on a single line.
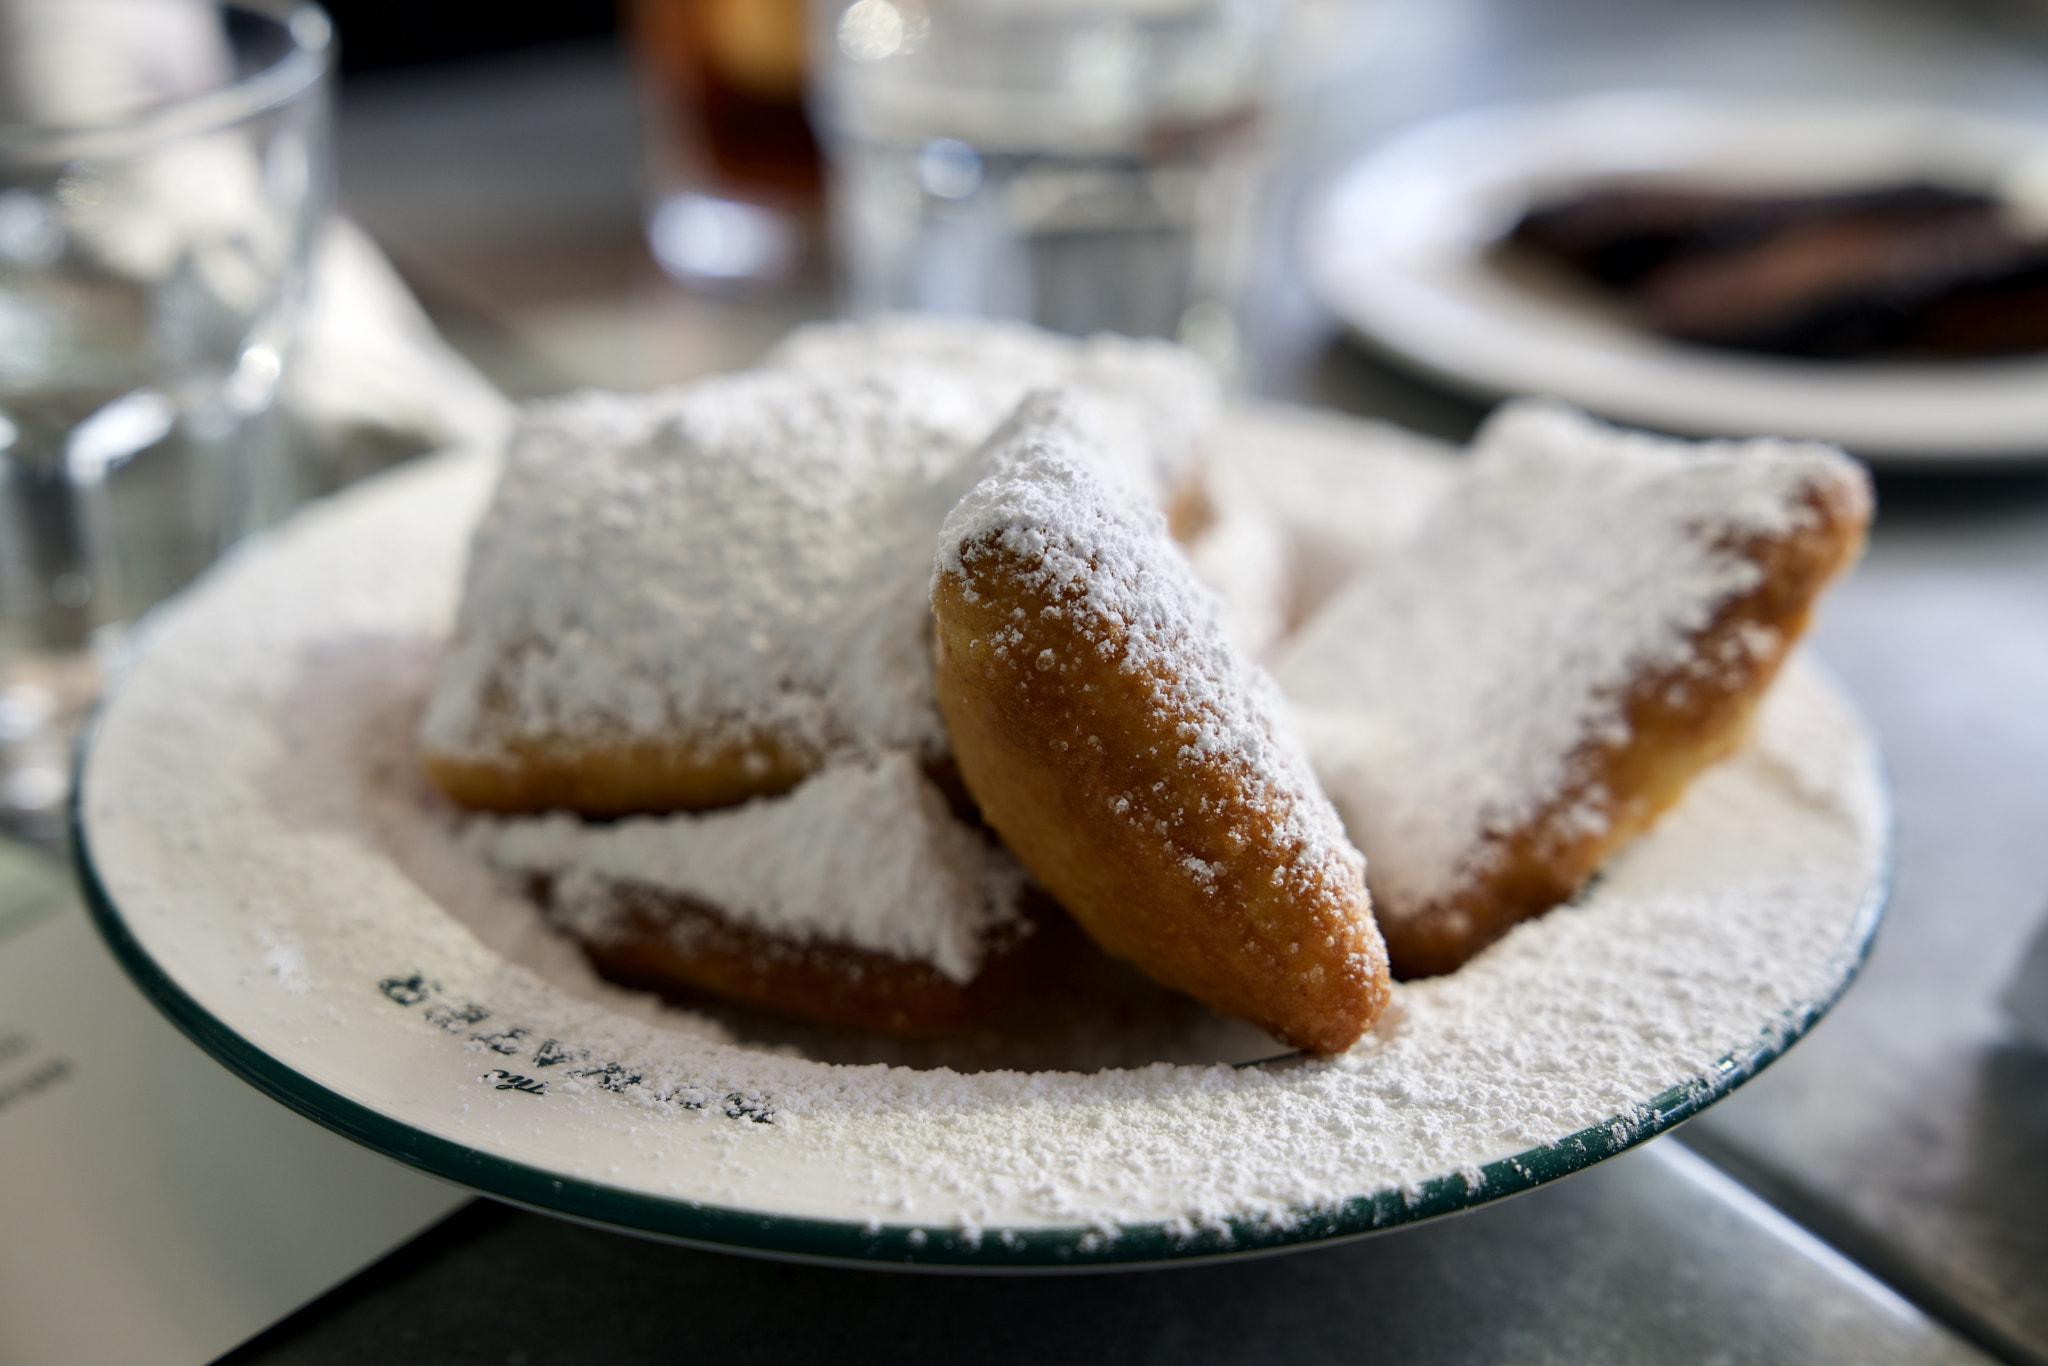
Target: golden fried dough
[(1587, 621), (642, 775), (1129, 756), (674, 946)]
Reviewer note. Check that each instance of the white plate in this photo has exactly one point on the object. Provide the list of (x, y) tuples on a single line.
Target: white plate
[(1399, 247), (224, 841)]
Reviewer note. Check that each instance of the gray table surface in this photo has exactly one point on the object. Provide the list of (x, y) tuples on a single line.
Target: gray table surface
[(1880, 1195)]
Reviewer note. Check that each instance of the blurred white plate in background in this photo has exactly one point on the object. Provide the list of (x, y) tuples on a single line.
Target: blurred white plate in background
[(1400, 247)]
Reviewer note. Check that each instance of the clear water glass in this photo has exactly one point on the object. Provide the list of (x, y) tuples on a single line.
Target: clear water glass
[(164, 168), (1081, 165)]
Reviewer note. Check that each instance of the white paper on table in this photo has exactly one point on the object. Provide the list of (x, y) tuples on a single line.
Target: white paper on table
[(154, 1208)]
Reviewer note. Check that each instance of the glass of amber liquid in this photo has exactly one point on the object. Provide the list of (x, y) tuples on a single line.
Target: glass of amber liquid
[(732, 171)]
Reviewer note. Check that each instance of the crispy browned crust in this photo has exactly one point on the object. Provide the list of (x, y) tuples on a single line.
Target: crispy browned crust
[(626, 778), (1680, 720), (682, 949), (1049, 753)]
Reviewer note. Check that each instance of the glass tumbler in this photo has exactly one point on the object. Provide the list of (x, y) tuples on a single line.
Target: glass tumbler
[(164, 168), (1081, 164), (731, 169)]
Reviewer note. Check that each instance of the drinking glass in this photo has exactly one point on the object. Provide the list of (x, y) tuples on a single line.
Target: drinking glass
[(163, 170), (1081, 164), (729, 164)]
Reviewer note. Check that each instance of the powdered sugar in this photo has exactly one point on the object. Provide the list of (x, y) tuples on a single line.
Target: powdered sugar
[(1156, 401), (741, 555), (1303, 499), (863, 854), (1443, 693), (1244, 557)]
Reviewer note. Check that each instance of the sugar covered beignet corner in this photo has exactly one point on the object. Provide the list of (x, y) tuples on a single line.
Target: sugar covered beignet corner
[(1584, 622), (1129, 755)]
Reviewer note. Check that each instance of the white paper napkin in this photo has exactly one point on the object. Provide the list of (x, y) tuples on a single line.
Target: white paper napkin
[(154, 1209)]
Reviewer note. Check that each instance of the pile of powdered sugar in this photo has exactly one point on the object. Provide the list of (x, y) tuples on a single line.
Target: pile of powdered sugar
[(1343, 490), (208, 813), (1048, 512), (1443, 694), (739, 556), (1301, 500), (1158, 402), (866, 854)]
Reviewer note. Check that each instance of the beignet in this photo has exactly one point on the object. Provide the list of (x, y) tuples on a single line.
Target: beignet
[(681, 600), (1128, 754), (859, 897), (1583, 624)]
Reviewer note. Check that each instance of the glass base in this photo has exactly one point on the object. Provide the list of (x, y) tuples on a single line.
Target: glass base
[(711, 240), (43, 702)]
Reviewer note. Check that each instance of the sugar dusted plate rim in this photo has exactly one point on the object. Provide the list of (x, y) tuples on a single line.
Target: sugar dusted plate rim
[(1058, 1249), (196, 960)]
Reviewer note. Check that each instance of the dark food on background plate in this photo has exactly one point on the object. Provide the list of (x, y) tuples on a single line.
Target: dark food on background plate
[(1911, 270)]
